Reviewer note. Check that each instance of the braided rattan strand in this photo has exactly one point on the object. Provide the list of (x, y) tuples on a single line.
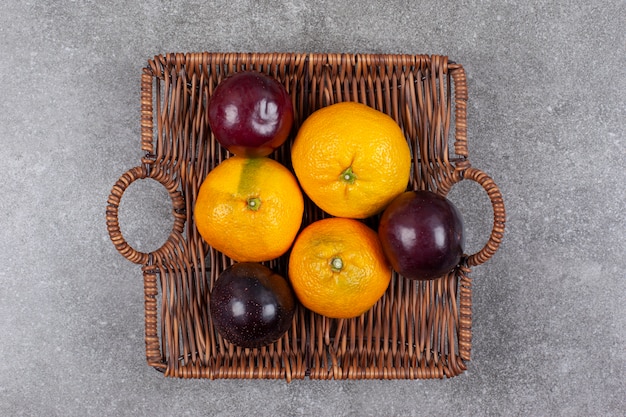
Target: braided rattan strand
[(417, 330)]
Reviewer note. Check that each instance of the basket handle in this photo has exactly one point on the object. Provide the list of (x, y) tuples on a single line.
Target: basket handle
[(499, 215), (112, 215)]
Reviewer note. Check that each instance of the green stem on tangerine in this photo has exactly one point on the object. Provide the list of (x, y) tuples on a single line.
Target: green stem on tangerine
[(336, 264), (348, 176), (254, 203)]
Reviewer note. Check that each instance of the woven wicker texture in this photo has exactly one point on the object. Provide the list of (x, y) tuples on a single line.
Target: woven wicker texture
[(417, 330)]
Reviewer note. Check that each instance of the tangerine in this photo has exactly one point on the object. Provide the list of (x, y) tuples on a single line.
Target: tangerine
[(351, 159), (250, 209), (337, 268)]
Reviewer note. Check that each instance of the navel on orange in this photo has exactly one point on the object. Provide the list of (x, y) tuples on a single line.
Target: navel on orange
[(351, 159), (337, 268), (250, 209)]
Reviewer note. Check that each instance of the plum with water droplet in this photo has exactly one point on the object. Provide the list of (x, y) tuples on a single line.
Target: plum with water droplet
[(250, 305)]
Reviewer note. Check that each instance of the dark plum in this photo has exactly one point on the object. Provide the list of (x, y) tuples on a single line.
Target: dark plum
[(422, 235), (250, 114), (250, 305)]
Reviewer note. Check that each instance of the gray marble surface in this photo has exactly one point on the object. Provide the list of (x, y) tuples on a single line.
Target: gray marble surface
[(547, 87)]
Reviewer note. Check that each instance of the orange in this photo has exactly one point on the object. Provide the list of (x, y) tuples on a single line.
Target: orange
[(249, 209), (337, 268), (351, 159)]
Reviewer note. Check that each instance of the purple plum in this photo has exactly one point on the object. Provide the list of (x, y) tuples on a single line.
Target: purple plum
[(250, 114), (250, 305), (422, 235)]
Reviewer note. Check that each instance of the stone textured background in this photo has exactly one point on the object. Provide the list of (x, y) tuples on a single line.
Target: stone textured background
[(547, 86)]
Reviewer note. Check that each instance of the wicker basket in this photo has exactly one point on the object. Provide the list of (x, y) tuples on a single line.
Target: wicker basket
[(417, 330)]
